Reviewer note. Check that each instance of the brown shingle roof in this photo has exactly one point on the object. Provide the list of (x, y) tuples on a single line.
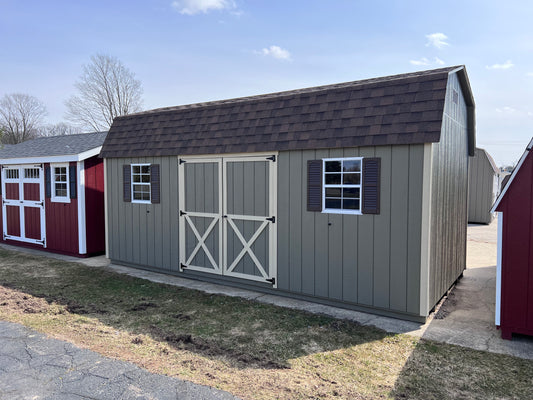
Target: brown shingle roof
[(399, 109)]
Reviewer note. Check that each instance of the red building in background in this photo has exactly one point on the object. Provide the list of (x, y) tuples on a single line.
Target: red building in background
[(52, 194), (514, 283)]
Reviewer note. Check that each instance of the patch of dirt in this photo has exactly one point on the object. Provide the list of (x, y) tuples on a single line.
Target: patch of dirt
[(182, 317), (77, 308), (143, 306), (447, 306), (211, 349), (21, 303)]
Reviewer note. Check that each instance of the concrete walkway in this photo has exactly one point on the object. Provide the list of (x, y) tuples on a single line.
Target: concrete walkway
[(33, 366), (466, 318)]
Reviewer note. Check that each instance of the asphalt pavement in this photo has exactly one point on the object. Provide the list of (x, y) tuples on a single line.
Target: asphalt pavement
[(33, 366)]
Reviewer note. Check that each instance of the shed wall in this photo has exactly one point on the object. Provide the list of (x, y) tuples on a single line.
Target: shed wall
[(94, 204), (369, 260), (481, 194), (449, 192), (517, 253), (144, 234), (62, 225)]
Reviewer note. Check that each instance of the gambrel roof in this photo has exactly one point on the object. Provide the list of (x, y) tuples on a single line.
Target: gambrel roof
[(398, 109)]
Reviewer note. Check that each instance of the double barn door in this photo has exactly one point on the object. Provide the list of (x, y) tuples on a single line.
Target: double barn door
[(228, 216), (23, 204)]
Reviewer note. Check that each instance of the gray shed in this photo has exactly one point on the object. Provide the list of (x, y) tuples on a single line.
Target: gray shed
[(483, 187), (352, 194)]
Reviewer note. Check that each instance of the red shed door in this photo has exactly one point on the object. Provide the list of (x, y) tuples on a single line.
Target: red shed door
[(23, 204)]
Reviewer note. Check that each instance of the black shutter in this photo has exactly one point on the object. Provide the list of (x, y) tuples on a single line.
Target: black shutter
[(371, 182), (154, 184), (126, 175), (47, 182), (314, 185), (72, 181)]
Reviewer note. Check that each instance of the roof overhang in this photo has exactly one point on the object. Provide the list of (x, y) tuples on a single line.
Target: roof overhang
[(53, 159), (513, 174), (470, 105)]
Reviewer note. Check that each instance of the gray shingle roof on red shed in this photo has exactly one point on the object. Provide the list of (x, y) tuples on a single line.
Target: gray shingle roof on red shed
[(399, 109)]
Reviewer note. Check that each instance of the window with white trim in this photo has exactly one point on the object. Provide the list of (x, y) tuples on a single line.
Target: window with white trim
[(342, 185), (60, 183), (140, 183)]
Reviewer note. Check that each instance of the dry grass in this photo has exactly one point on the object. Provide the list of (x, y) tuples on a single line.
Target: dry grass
[(253, 350)]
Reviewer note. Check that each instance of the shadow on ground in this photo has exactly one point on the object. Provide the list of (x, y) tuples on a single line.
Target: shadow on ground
[(243, 333)]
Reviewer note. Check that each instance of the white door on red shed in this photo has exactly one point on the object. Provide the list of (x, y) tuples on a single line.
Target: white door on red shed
[(23, 217)]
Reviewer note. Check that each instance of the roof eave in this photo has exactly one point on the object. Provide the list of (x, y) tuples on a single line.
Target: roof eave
[(470, 105), (53, 159), (513, 174)]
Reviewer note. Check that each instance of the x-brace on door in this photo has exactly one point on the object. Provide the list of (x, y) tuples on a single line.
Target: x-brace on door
[(228, 216)]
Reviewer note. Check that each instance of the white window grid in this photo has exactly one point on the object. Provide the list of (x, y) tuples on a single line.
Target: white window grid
[(12, 173), (60, 183), (342, 182), (140, 183), (31, 173)]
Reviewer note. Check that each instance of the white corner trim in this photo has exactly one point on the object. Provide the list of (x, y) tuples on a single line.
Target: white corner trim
[(511, 179), (82, 223), (106, 212), (498, 304), (425, 233)]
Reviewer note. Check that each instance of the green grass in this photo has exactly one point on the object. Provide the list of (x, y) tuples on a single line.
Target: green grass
[(251, 349)]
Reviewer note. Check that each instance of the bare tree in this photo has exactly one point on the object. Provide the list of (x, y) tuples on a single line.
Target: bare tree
[(20, 117), (59, 129), (106, 89)]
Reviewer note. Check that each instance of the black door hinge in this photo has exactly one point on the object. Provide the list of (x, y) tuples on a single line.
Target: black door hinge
[(183, 266), (271, 280), (272, 158), (271, 219), (181, 161), (182, 213)]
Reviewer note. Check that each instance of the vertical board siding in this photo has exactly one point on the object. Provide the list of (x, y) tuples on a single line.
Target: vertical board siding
[(449, 197), (94, 204), (12, 191), (144, 234), (480, 188), (13, 220), (371, 260), (32, 192), (517, 253), (32, 222)]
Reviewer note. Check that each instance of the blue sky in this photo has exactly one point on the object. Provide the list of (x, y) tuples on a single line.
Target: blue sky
[(188, 51)]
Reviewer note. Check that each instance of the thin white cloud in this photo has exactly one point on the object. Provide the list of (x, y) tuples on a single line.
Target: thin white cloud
[(529, 74), (508, 64), (276, 52), (426, 62), (506, 110), (437, 40), (422, 61), (192, 7)]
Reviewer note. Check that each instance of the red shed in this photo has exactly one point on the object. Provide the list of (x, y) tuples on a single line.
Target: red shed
[(514, 281), (52, 193)]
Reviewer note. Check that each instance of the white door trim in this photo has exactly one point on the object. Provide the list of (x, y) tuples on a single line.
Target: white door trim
[(21, 203)]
